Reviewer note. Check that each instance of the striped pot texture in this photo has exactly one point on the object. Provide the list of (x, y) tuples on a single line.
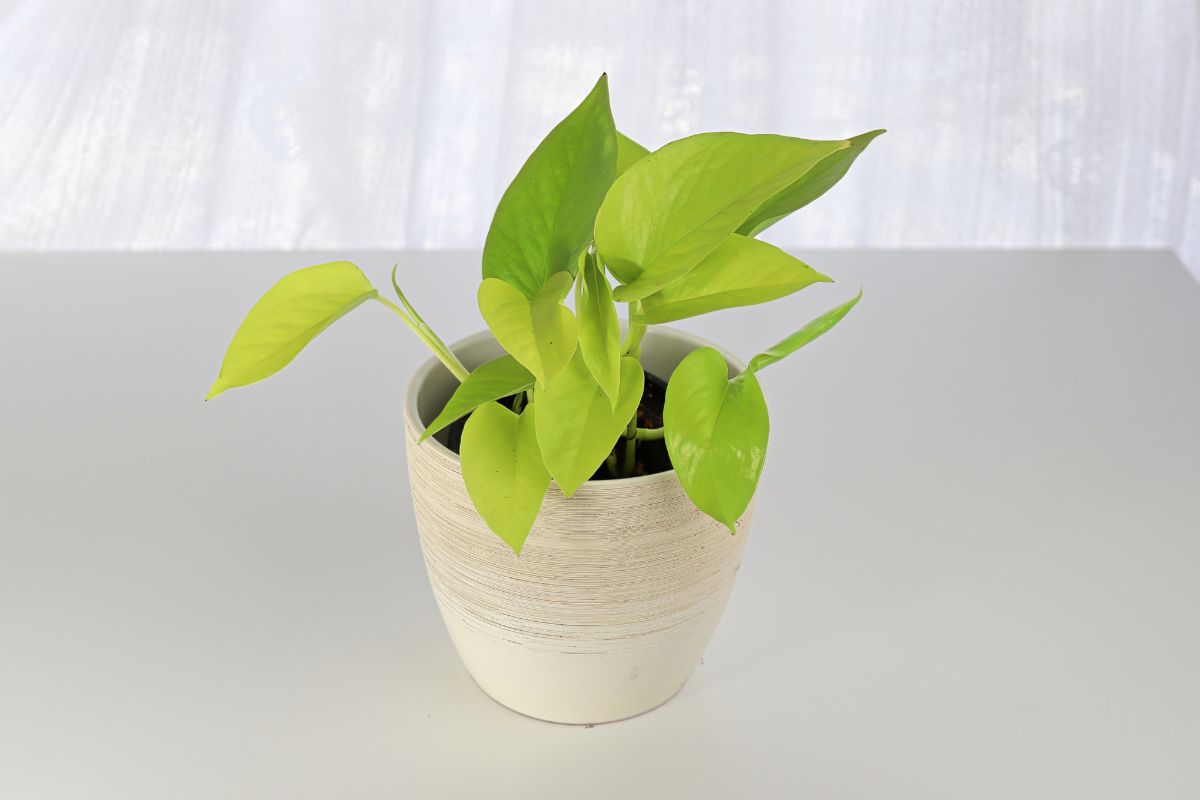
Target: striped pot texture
[(617, 590)]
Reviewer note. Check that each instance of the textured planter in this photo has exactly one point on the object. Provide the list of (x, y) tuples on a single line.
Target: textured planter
[(616, 593)]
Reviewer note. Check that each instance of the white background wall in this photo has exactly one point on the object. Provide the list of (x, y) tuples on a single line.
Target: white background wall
[(307, 124)]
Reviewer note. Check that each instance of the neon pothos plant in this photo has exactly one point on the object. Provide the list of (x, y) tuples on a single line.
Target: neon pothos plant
[(676, 230)]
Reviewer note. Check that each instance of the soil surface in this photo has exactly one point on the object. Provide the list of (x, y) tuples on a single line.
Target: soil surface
[(652, 455)]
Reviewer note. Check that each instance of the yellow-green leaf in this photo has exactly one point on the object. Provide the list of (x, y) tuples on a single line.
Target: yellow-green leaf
[(546, 215), (576, 426), (812, 330), (809, 186), (503, 471), (629, 152), (288, 317), (741, 272), (599, 328), (540, 332), (716, 433), (672, 208), (494, 380)]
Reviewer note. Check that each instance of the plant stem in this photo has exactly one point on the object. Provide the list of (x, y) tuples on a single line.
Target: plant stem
[(610, 461), (431, 341), (518, 402), (633, 340), (650, 434), (630, 437)]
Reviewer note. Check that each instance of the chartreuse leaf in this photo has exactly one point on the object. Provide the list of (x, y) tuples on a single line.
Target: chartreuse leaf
[(716, 434), (576, 426), (492, 381), (809, 186), (803, 336), (288, 317), (546, 215), (678, 204), (629, 152), (503, 471), (540, 332), (741, 272), (599, 328)]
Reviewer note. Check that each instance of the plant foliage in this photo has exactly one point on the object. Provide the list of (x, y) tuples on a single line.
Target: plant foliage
[(675, 230)]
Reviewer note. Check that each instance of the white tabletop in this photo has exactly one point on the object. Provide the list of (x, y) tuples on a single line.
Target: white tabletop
[(974, 570)]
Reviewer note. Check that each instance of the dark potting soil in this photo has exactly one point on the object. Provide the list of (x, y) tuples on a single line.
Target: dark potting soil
[(651, 454)]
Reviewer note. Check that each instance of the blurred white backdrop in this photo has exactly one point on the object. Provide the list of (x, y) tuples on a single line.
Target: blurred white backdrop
[(202, 124)]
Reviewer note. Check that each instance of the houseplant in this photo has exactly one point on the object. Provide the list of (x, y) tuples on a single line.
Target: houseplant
[(570, 508)]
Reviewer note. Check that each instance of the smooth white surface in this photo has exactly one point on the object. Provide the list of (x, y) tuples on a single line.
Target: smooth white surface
[(200, 124), (975, 569)]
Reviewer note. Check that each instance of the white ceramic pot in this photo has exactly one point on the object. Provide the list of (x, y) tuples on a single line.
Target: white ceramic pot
[(617, 590)]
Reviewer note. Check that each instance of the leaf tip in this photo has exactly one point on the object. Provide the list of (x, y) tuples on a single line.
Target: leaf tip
[(214, 390), (864, 139)]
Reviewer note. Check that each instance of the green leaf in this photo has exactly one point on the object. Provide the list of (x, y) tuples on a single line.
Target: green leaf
[(599, 328), (672, 208), (741, 272), (803, 336), (576, 426), (492, 381), (503, 471), (629, 152), (540, 332), (809, 187), (716, 433), (288, 317), (546, 215)]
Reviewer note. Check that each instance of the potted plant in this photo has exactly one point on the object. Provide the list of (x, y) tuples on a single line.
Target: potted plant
[(583, 489)]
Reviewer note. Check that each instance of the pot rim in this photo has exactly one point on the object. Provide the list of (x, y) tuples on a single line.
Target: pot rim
[(432, 364)]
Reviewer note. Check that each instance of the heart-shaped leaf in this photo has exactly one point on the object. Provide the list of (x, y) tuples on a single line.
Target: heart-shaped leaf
[(503, 471), (809, 186), (629, 152), (716, 433), (599, 328), (492, 381), (678, 204), (288, 317), (803, 336), (546, 215), (539, 332), (576, 426), (741, 272)]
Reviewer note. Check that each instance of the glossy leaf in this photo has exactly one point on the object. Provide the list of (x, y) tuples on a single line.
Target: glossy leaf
[(546, 215), (803, 336), (491, 381), (629, 152), (716, 433), (540, 332), (672, 208), (599, 328), (808, 187), (503, 471), (576, 426), (287, 318), (741, 272)]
